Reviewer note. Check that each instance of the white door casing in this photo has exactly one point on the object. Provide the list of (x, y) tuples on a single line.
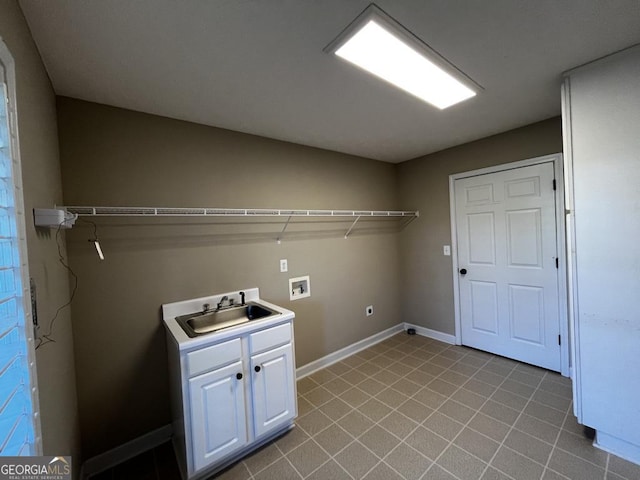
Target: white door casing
[(508, 246)]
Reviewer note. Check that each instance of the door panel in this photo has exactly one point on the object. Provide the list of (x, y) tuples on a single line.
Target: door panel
[(506, 229), (218, 416), (484, 306), (274, 397)]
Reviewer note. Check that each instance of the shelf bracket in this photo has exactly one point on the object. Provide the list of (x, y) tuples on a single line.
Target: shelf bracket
[(346, 235), (279, 239)]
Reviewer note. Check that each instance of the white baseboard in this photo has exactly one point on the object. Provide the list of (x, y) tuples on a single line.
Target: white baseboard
[(436, 335), (617, 446), (347, 351), (124, 452)]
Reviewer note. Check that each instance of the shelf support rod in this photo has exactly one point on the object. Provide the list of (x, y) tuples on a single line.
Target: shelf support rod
[(346, 235), (278, 240)]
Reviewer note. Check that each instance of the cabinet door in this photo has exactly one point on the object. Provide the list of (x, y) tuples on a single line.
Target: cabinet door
[(274, 394), (218, 416)]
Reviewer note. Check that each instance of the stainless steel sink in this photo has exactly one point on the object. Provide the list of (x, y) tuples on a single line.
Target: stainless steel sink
[(201, 323)]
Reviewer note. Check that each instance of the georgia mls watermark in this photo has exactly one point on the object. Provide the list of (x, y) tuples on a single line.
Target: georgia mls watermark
[(35, 468)]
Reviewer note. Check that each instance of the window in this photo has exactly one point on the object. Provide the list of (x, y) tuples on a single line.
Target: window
[(19, 421)]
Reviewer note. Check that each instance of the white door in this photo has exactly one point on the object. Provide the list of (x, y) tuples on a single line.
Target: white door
[(274, 390), (218, 417), (507, 258)]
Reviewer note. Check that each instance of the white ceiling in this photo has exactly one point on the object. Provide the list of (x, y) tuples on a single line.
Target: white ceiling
[(257, 66)]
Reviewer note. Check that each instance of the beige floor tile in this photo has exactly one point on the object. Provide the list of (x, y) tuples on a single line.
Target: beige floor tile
[(477, 444), (443, 425), (379, 441), (469, 398), (314, 422), (500, 412), (443, 388), (374, 409), (624, 468), (436, 472), (493, 474), (392, 397), (457, 411), (581, 446), (574, 467), (386, 377), (305, 385), (335, 409), (516, 465), (462, 464), (429, 397), (333, 439), (529, 446), (292, 439), (408, 462), (262, 458), (355, 397), (337, 386), (489, 427), (537, 428), (383, 472), (371, 386), (319, 396), (509, 399), (545, 413), (329, 471), (282, 470), (415, 410), (398, 424), (354, 377), (405, 386), (426, 442), (307, 457), (355, 423), (357, 460)]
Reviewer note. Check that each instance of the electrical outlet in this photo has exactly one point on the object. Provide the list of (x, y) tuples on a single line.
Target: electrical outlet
[(369, 310), (283, 265)]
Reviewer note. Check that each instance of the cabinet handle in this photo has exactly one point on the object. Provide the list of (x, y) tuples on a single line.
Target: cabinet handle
[(239, 376), (257, 368)]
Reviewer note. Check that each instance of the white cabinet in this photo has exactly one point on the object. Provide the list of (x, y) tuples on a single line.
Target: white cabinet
[(231, 395), (274, 400), (218, 416), (601, 117)]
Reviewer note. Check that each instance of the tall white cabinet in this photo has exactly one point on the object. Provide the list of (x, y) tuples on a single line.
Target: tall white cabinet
[(601, 115)]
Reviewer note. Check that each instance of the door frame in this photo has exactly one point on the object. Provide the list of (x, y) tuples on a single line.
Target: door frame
[(563, 317)]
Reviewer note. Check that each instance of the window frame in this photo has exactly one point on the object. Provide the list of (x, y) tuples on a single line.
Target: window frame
[(8, 78)]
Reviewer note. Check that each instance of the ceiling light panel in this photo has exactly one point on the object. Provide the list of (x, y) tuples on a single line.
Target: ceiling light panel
[(381, 46)]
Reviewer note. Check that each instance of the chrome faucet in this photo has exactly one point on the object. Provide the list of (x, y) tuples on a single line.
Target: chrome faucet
[(221, 302)]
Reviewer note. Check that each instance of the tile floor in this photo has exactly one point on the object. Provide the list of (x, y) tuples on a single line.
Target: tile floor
[(415, 408)]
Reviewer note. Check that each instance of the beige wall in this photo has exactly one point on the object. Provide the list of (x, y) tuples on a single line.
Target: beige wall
[(426, 274), (116, 157), (42, 186)]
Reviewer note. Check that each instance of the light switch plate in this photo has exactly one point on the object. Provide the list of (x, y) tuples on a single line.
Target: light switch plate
[(284, 265), (446, 249)]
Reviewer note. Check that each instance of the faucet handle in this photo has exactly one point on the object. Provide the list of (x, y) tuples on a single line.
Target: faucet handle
[(205, 307)]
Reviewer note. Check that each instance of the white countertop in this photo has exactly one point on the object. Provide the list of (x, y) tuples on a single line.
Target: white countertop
[(172, 310)]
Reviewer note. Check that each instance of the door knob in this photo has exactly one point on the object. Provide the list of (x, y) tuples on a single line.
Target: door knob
[(239, 376), (257, 368), (463, 271)]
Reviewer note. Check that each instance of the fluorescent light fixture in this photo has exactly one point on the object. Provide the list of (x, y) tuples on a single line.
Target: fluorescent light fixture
[(383, 47)]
